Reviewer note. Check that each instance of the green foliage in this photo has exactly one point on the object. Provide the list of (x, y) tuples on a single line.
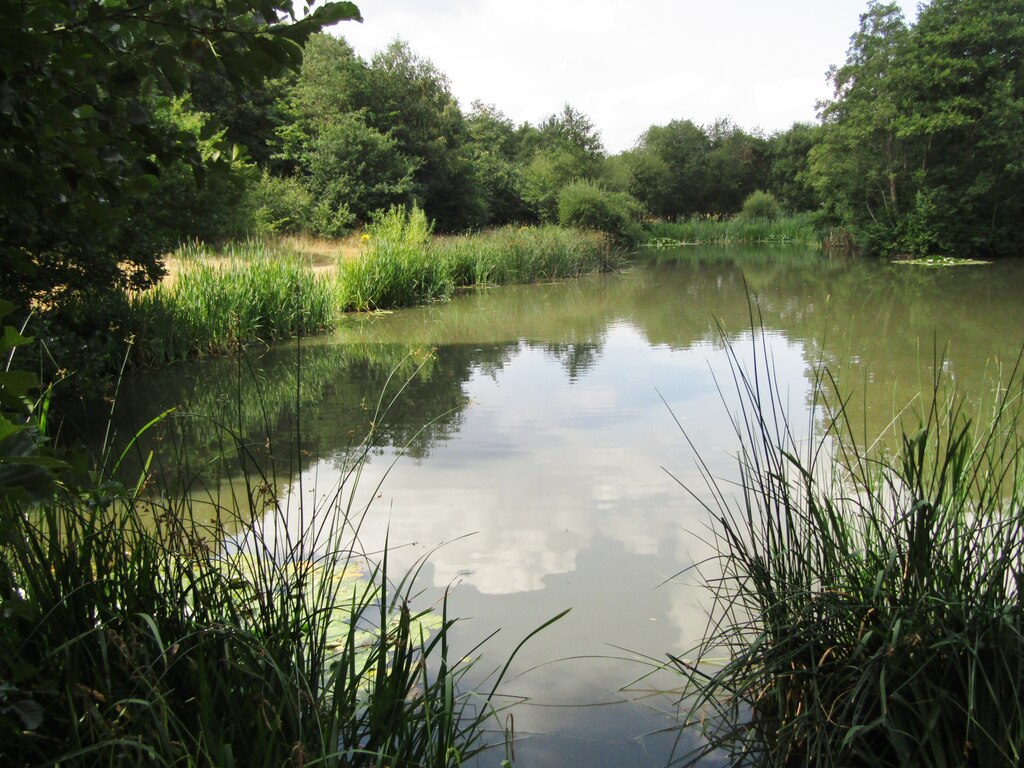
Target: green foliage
[(78, 137), (527, 254), (564, 148), (921, 149), (279, 204), (797, 228), (869, 608), (493, 151), (221, 301), (682, 169), (403, 265), (353, 172), (788, 156), (396, 268), (760, 205), (586, 205)]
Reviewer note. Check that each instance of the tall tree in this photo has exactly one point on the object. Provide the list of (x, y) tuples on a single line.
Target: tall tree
[(921, 150), (564, 148), (863, 161)]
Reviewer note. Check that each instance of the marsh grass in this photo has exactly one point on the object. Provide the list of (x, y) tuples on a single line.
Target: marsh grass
[(403, 264), (867, 601), (527, 255), (150, 626), (794, 229), (221, 301), (396, 268)]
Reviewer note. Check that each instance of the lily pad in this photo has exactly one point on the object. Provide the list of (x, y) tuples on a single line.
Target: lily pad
[(941, 261)]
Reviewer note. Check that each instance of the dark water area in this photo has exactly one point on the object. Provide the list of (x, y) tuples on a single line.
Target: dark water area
[(524, 441)]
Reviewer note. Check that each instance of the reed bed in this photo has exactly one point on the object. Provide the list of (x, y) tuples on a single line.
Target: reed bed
[(527, 255), (797, 229), (868, 607), (221, 301), (404, 265)]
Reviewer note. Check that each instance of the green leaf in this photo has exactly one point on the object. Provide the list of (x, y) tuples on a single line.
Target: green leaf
[(16, 384), (8, 428)]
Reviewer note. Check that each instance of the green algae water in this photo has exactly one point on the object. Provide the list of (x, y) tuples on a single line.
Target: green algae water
[(524, 443)]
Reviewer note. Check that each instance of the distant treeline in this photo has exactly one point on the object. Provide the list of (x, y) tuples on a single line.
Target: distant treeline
[(918, 151)]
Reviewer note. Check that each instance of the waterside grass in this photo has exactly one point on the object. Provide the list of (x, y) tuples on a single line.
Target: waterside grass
[(404, 265), (222, 300), (796, 229), (868, 602)]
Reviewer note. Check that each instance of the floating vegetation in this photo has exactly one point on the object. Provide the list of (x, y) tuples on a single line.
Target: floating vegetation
[(942, 261)]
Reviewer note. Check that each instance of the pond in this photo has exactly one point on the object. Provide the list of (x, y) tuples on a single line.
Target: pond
[(527, 442)]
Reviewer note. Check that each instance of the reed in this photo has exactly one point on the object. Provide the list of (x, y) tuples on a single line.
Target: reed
[(397, 268), (794, 229), (221, 301), (404, 265), (527, 255), (867, 601)]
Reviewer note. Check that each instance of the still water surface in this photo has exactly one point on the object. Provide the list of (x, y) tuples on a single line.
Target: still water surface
[(525, 438)]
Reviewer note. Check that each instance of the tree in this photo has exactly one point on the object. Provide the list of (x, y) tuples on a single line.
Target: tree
[(492, 149), (921, 150), (408, 98), (566, 147), (669, 169), (863, 161), (80, 84), (788, 157)]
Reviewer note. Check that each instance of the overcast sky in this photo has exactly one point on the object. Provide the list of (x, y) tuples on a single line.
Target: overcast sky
[(627, 64)]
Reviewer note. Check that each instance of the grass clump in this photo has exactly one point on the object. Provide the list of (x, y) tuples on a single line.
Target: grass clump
[(221, 301), (527, 255), (404, 265), (397, 268), (797, 228), (868, 610)]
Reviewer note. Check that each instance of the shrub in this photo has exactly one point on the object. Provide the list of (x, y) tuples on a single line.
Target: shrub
[(589, 206), (761, 205), (280, 204)]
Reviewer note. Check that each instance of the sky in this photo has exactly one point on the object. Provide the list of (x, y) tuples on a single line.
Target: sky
[(626, 64)]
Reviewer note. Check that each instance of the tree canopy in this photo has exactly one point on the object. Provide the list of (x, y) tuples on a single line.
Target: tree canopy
[(921, 150), (81, 142)]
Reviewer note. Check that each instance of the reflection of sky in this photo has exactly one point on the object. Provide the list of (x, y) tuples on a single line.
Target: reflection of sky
[(563, 487)]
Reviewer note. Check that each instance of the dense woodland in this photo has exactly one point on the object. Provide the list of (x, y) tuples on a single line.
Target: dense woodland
[(122, 136)]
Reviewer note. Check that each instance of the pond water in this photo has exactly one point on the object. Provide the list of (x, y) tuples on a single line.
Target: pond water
[(525, 440)]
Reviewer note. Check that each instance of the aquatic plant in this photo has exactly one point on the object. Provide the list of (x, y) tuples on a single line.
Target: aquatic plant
[(867, 600), (527, 255), (402, 265), (796, 228), (222, 300)]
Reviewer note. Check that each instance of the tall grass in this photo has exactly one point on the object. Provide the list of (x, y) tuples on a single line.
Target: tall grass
[(870, 605), (796, 229), (403, 265), (397, 268), (527, 255), (219, 302)]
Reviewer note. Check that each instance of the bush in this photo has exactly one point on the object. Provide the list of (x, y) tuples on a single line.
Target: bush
[(280, 204), (761, 205), (586, 205)]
